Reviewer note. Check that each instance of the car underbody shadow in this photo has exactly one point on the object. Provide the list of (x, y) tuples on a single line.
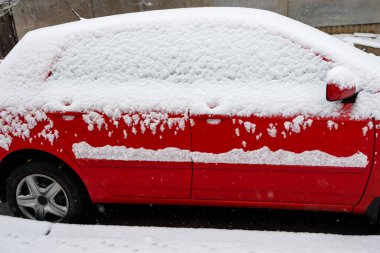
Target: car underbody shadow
[(235, 218)]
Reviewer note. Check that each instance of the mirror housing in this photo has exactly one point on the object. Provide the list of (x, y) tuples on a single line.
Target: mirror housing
[(335, 92)]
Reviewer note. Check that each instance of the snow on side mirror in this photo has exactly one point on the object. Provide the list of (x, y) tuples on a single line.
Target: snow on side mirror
[(340, 84)]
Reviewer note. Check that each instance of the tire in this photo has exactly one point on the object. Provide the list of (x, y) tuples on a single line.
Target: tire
[(45, 191)]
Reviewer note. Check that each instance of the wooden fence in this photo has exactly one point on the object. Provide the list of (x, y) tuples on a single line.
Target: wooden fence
[(8, 38)]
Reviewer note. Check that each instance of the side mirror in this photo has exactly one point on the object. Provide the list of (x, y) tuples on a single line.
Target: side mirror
[(340, 84), (335, 92)]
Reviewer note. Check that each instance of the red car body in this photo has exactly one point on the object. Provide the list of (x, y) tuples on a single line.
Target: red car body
[(327, 188)]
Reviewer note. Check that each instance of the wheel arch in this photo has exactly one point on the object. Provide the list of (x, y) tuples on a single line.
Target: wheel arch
[(15, 158)]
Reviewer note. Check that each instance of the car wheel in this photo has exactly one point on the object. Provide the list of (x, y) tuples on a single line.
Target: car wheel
[(44, 191)]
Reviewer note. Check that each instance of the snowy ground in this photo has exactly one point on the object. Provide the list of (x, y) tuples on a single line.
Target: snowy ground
[(31, 236), (364, 39), (152, 229)]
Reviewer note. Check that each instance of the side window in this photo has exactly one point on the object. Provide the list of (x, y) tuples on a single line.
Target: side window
[(191, 53), (232, 67)]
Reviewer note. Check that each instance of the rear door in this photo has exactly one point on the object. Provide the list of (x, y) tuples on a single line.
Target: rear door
[(295, 159), (131, 155)]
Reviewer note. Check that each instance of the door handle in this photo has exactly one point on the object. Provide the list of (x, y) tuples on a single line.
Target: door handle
[(214, 121)]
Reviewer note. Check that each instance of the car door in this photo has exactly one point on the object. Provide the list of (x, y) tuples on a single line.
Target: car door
[(296, 159), (130, 154)]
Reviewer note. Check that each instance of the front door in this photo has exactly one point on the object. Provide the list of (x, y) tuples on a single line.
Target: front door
[(295, 159)]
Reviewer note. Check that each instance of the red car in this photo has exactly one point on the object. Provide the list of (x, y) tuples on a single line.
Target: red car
[(211, 106)]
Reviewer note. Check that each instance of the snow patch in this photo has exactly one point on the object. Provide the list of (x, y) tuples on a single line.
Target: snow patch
[(263, 155), (365, 130), (139, 122), (343, 77), (250, 127), (332, 125), (18, 123), (48, 133), (83, 150), (365, 39), (272, 130), (369, 126), (297, 124), (94, 118)]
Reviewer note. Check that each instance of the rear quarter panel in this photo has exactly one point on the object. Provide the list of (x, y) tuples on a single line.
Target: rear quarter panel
[(34, 130)]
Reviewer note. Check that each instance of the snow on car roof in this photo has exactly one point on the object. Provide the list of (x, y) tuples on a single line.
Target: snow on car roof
[(209, 60)]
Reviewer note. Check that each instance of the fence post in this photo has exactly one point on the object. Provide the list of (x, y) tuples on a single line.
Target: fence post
[(8, 37)]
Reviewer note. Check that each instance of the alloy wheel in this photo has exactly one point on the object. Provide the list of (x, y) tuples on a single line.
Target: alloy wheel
[(40, 197)]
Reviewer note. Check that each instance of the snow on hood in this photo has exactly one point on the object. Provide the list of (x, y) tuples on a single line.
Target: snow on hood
[(209, 60)]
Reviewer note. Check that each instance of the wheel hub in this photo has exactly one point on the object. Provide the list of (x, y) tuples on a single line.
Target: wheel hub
[(42, 200)]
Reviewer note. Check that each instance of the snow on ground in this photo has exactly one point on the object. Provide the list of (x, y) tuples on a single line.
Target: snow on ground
[(364, 39), (32, 236)]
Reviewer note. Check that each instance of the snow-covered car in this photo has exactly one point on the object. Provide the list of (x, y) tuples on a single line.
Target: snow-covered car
[(210, 106)]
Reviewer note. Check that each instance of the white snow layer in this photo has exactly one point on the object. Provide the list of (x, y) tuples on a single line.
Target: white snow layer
[(263, 155), (364, 39), (42, 237), (19, 123), (343, 77), (207, 60)]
